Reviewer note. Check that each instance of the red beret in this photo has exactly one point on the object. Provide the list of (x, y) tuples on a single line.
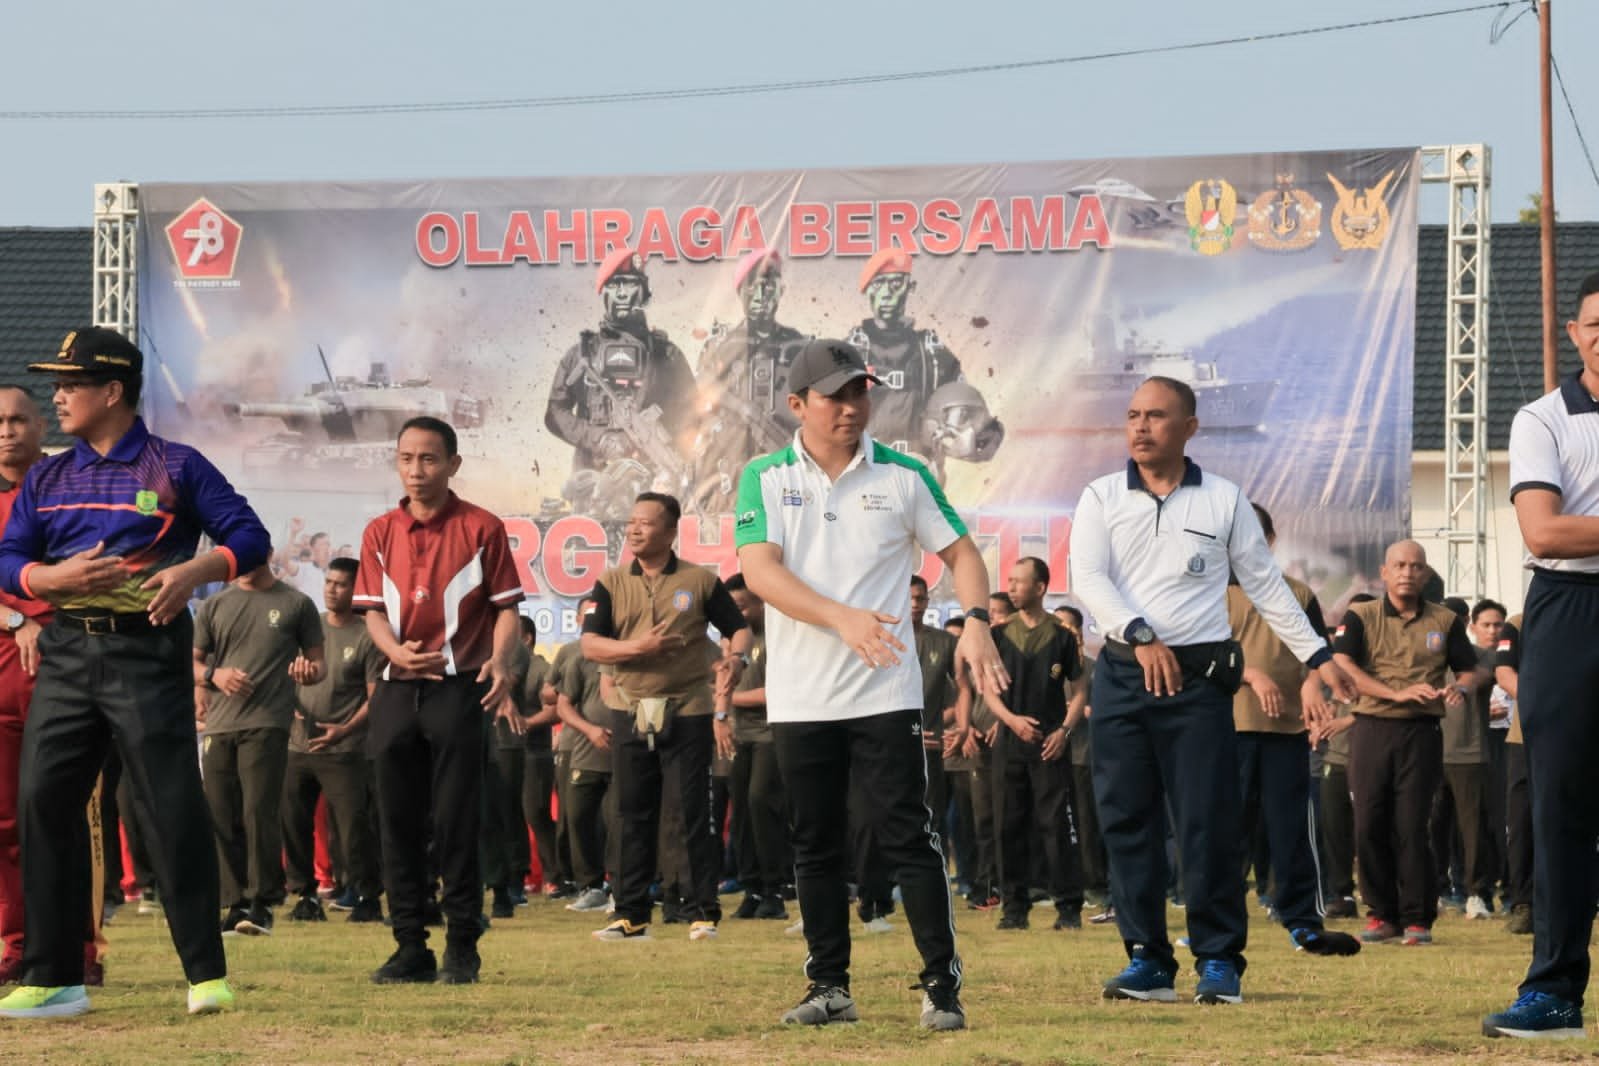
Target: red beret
[(621, 261), (762, 260), (890, 260)]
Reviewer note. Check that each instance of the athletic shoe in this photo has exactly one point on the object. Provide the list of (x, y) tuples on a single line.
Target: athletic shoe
[(877, 925), (34, 1001), (344, 901), (230, 921), (1315, 941), (1342, 907), (564, 890), (1011, 922), (728, 887), (673, 914), (461, 965), (366, 909), (787, 892), (1378, 931), (309, 909), (1070, 918), (1477, 909), (592, 899), (211, 997), (502, 907), (1537, 1016), (772, 907), (411, 964), (1104, 917), (258, 922), (1416, 936), (1455, 904), (748, 906), (622, 929), (1142, 980), (822, 1005), (518, 895), (328, 891), (797, 929), (610, 906), (702, 931), (1218, 982), (1520, 921), (150, 903), (1182, 942), (983, 903), (941, 1006)]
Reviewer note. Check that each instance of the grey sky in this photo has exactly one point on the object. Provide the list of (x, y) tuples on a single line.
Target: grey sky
[(1433, 82)]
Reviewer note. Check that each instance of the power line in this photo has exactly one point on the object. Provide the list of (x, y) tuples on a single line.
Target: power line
[(1572, 111), (703, 92)]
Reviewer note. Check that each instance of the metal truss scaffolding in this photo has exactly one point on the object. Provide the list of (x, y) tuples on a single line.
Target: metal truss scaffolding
[(116, 258), (1466, 169)]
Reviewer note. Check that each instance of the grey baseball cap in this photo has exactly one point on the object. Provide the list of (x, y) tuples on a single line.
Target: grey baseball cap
[(826, 366)]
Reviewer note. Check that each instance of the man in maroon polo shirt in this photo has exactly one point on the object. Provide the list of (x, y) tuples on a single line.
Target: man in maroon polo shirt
[(440, 594)]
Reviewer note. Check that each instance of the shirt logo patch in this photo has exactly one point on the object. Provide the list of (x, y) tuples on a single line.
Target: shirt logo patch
[(349, 654), (146, 501), (420, 595), (875, 501), (273, 617), (1196, 564), (1339, 632), (682, 599), (792, 498), (745, 519), (1435, 641), (1055, 672), (1504, 645)]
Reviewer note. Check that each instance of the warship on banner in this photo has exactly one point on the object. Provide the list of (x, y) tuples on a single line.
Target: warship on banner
[(348, 421), (1103, 379)]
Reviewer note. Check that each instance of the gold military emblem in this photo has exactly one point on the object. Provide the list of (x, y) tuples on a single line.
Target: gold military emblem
[(1211, 206), (66, 346), (1360, 218), (349, 654), (1055, 672), (273, 615), (1284, 219)]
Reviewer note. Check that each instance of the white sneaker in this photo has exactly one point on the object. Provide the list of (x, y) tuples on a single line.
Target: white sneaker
[(591, 899), (877, 925), (797, 929), (1476, 908)]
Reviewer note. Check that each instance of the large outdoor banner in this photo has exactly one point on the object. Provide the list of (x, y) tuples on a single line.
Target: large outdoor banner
[(594, 337)]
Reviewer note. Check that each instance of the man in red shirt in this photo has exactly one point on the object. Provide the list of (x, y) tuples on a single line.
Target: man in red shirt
[(440, 594), (21, 435)]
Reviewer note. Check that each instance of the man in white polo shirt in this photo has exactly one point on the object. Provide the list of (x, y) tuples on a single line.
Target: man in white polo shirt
[(1554, 484), (828, 531), (1151, 551)]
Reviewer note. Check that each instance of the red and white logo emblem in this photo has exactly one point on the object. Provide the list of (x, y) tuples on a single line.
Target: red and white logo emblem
[(205, 241)]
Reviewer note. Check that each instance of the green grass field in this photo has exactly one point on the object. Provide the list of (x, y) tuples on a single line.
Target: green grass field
[(551, 994)]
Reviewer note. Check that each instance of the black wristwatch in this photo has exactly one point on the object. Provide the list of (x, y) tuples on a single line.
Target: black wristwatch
[(978, 614), (1137, 633), (210, 673)]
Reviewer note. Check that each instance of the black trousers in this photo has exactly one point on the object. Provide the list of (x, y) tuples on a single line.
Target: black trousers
[(538, 785), (675, 775), (1462, 802), (1274, 788), (1518, 827), (507, 856), (135, 690), (1090, 842), (760, 811), (1559, 703), (561, 873), (243, 775), (1033, 803), (975, 797), (343, 778), (1337, 831), (819, 760), (1181, 748), (587, 820), (426, 741), (1395, 765)]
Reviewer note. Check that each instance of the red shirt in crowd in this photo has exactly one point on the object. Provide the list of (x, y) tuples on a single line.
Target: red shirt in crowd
[(441, 582)]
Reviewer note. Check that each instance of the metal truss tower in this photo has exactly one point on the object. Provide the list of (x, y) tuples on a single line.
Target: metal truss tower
[(116, 258), (1466, 169)]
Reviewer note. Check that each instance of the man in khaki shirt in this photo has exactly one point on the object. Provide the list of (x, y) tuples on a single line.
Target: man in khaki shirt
[(1279, 698), (1400, 651)]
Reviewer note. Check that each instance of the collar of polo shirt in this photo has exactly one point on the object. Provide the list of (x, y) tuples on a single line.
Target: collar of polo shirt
[(125, 451), (451, 502), (1578, 401), (1192, 475), (670, 568), (863, 454)]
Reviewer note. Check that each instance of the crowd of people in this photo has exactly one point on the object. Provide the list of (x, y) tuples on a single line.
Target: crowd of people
[(768, 735)]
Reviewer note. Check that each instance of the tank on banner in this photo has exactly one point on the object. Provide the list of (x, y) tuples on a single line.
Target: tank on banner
[(594, 338)]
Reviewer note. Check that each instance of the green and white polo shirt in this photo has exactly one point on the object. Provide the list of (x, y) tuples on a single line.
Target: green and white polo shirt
[(854, 541)]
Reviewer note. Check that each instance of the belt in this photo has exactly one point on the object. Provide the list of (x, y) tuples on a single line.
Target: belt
[(1185, 653), (1566, 577), (105, 623)]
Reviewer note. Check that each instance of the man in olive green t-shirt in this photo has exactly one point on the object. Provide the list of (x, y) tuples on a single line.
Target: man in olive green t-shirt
[(587, 806), (253, 643)]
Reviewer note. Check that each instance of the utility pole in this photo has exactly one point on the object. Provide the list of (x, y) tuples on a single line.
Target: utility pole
[(1546, 206)]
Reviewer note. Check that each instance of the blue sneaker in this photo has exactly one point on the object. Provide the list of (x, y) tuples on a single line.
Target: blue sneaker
[(345, 901), (1315, 941), (1218, 982), (1142, 980), (1537, 1016)]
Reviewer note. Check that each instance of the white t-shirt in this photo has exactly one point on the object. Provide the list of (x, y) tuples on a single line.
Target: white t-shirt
[(855, 541), (1554, 445)]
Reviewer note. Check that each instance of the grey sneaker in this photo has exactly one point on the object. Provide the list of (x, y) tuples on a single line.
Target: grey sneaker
[(823, 1005), (591, 899), (941, 1007)]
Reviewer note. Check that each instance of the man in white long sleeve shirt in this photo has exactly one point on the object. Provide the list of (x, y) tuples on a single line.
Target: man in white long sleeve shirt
[(1151, 552)]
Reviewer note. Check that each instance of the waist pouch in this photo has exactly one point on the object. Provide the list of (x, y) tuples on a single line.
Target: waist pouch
[(653, 717), (1222, 664)]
